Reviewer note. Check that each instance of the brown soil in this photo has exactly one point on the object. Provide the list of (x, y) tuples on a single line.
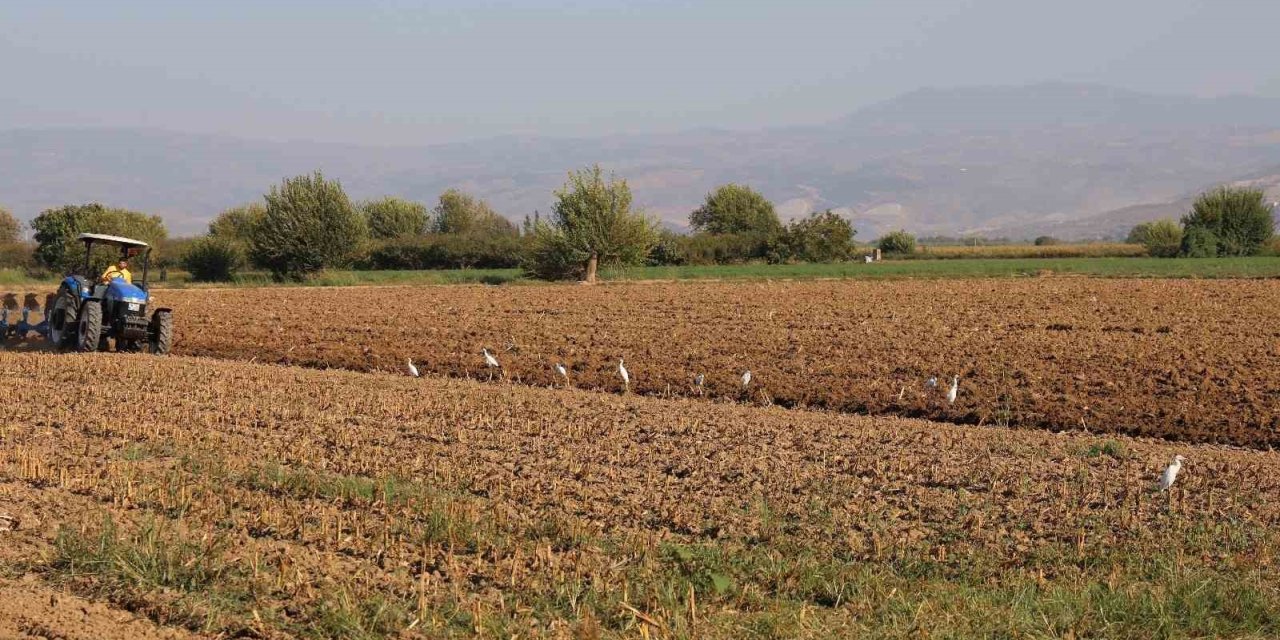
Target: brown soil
[(30, 610), (1187, 360)]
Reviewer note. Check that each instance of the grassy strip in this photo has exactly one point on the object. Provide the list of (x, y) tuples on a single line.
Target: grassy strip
[(1180, 580), (952, 267), (1007, 251), (1249, 267)]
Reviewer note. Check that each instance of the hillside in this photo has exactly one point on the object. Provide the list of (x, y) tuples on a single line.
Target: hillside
[(1117, 223), (934, 161)]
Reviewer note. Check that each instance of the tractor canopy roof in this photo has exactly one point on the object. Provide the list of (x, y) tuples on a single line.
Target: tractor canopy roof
[(116, 240)]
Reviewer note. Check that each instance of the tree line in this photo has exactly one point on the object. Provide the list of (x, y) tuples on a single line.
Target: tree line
[(308, 223)]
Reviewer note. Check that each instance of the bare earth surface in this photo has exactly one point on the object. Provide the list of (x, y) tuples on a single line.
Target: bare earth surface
[(29, 610), (1187, 360)]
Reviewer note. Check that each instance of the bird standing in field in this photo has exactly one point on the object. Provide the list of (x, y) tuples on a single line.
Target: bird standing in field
[(490, 361), (413, 371), (626, 377), (955, 387), (1171, 473), (564, 373), (746, 379), (698, 381)]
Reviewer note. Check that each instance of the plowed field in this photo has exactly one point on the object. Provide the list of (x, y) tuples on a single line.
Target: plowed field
[(1182, 359), (248, 500)]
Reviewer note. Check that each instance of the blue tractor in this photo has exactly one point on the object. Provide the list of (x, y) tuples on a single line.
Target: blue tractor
[(86, 313)]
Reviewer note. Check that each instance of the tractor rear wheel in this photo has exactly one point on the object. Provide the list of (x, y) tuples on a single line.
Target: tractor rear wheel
[(161, 337), (90, 327), (62, 319)]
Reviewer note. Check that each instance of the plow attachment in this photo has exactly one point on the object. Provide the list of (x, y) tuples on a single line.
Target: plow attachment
[(16, 322)]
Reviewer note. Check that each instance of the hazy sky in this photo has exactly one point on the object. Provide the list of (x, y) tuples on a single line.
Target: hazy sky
[(398, 72)]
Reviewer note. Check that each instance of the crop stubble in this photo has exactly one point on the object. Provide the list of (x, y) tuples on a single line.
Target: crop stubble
[(472, 506)]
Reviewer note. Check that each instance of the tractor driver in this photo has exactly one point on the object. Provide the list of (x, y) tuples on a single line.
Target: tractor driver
[(117, 270)]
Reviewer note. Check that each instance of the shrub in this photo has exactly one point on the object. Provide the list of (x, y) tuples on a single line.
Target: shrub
[(237, 223), (309, 224), (17, 255), (213, 259), (395, 218), (445, 251), (460, 213), (551, 256), (1162, 238), (821, 237), (1239, 219), (668, 251), (175, 249), (10, 227), (1199, 242), (1045, 241), (725, 248), (899, 242)]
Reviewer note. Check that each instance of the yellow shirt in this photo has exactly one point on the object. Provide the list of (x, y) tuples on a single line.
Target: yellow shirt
[(114, 272)]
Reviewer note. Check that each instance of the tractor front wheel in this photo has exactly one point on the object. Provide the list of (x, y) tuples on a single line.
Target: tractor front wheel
[(90, 327), (161, 337)]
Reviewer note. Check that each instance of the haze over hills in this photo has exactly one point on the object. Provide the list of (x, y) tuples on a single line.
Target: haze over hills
[(1018, 161)]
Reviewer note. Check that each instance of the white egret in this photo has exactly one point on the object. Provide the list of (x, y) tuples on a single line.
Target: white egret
[(413, 371), (564, 373), (1171, 473), (626, 377), (955, 386), (491, 363), (746, 379)]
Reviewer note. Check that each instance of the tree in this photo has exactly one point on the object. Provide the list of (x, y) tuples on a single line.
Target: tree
[(309, 224), (1162, 238), (734, 208), (460, 213), (591, 224), (392, 217), (237, 223), (57, 229), (899, 242), (1238, 218), (821, 237), (213, 258), (10, 227)]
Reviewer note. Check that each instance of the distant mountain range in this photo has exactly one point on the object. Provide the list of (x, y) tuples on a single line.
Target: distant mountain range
[(1064, 159)]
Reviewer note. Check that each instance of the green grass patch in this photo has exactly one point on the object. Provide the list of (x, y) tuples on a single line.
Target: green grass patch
[(305, 483), (1106, 267), (202, 585), (1110, 448), (1101, 267)]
